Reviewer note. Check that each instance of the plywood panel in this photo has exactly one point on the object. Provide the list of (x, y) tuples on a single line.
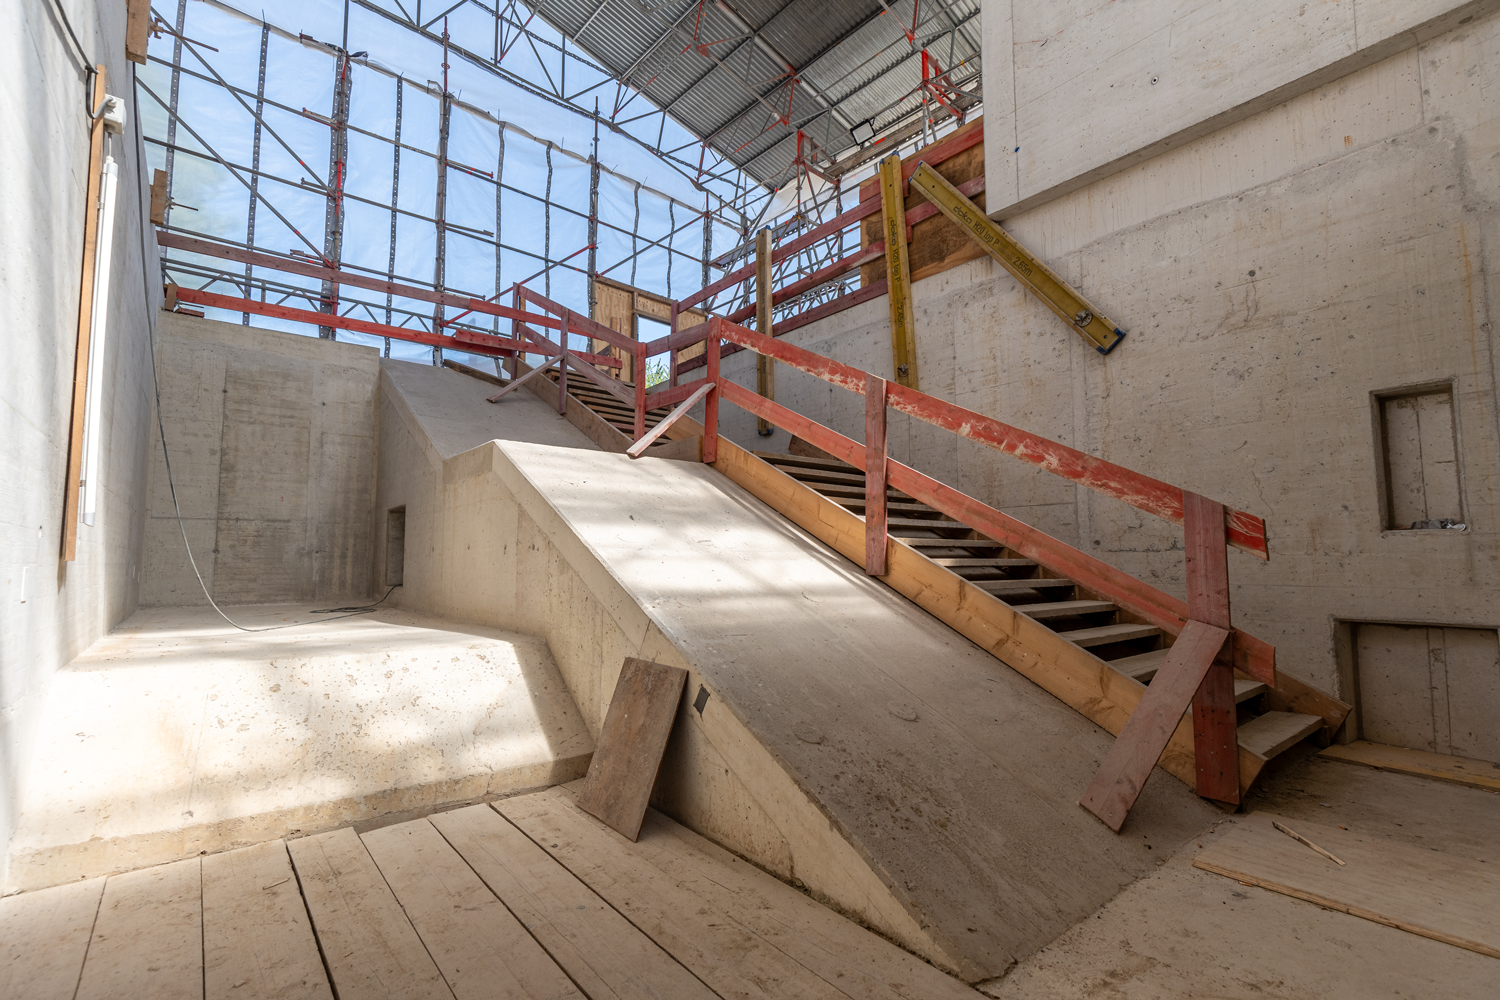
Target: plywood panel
[(599, 949), (631, 743), (371, 949), (483, 952), (1425, 892), (43, 938), (148, 937), (257, 941)]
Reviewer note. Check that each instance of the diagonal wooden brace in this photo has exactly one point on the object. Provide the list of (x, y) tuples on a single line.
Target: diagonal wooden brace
[(517, 383), (639, 448), (1140, 744)]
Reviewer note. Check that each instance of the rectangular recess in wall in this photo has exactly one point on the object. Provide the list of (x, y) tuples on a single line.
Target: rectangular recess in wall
[(1428, 687), (1418, 457), (395, 545)]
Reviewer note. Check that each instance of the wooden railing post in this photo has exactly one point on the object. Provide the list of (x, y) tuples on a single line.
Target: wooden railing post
[(562, 369), (672, 357), (1215, 740), (640, 390), (875, 476), (711, 404), (765, 374)]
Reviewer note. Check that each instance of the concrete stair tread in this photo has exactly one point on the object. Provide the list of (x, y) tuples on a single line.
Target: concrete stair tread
[(1066, 609), (1103, 634), (1021, 586), (1270, 734)]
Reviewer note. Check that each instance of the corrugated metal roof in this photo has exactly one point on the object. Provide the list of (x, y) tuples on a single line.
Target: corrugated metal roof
[(746, 75)]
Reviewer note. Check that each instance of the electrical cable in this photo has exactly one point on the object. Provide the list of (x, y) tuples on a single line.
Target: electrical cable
[(349, 612), (62, 16)]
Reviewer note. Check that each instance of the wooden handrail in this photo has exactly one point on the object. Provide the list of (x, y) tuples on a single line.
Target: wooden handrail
[(1256, 657), (1246, 531)]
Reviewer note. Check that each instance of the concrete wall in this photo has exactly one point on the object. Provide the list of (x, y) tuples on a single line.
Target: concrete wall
[(51, 610), (272, 440), (1273, 274)]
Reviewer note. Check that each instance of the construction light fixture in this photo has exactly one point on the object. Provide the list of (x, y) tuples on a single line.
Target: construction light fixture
[(863, 132), (98, 325)]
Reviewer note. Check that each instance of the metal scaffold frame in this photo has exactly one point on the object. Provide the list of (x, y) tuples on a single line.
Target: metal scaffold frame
[(733, 201)]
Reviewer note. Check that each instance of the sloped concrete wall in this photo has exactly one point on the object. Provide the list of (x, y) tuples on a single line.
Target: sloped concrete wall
[(1273, 275), (272, 440), (51, 611)]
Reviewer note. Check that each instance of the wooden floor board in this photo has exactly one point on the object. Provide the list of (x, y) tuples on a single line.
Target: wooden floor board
[(370, 947), (719, 944), (43, 938), (1459, 770), (148, 936), (838, 950), (598, 948), (257, 941), (481, 949)]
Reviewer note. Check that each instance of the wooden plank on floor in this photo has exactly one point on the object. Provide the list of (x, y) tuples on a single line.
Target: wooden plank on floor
[(148, 937), (596, 947), (480, 948), (719, 945), (631, 743), (257, 941), (1462, 770), (369, 945), (839, 951), (43, 938), (1425, 892)]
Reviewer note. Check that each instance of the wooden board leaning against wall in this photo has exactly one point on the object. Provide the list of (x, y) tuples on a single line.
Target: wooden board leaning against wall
[(616, 305), (937, 244)]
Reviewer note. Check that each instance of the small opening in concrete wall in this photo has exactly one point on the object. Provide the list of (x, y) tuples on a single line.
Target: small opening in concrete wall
[(395, 545), (1418, 460), (1427, 687)]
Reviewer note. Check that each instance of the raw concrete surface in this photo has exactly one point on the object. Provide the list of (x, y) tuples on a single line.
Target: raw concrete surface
[(953, 778), (51, 612), (1272, 275), (272, 439), (1183, 932), (177, 733), (1162, 75)]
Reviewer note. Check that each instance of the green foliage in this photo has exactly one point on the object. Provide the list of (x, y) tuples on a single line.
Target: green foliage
[(657, 371)]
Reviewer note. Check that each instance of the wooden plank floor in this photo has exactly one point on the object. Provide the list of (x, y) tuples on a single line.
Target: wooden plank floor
[(531, 898)]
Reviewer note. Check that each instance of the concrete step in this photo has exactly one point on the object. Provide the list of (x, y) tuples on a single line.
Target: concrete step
[(1066, 609), (1105, 634), (1270, 734)]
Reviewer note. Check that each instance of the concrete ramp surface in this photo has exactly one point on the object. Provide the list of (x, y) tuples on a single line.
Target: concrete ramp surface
[(848, 741)]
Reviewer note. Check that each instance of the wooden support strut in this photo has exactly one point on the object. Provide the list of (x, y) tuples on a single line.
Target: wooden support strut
[(764, 373), (876, 465), (71, 488), (1033, 275), (562, 369), (1215, 740), (898, 272), (711, 404)]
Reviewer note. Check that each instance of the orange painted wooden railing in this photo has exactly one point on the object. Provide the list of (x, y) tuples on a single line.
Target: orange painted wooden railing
[(1209, 530)]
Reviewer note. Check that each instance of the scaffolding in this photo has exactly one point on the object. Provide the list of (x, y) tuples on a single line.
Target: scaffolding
[(451, 165)]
